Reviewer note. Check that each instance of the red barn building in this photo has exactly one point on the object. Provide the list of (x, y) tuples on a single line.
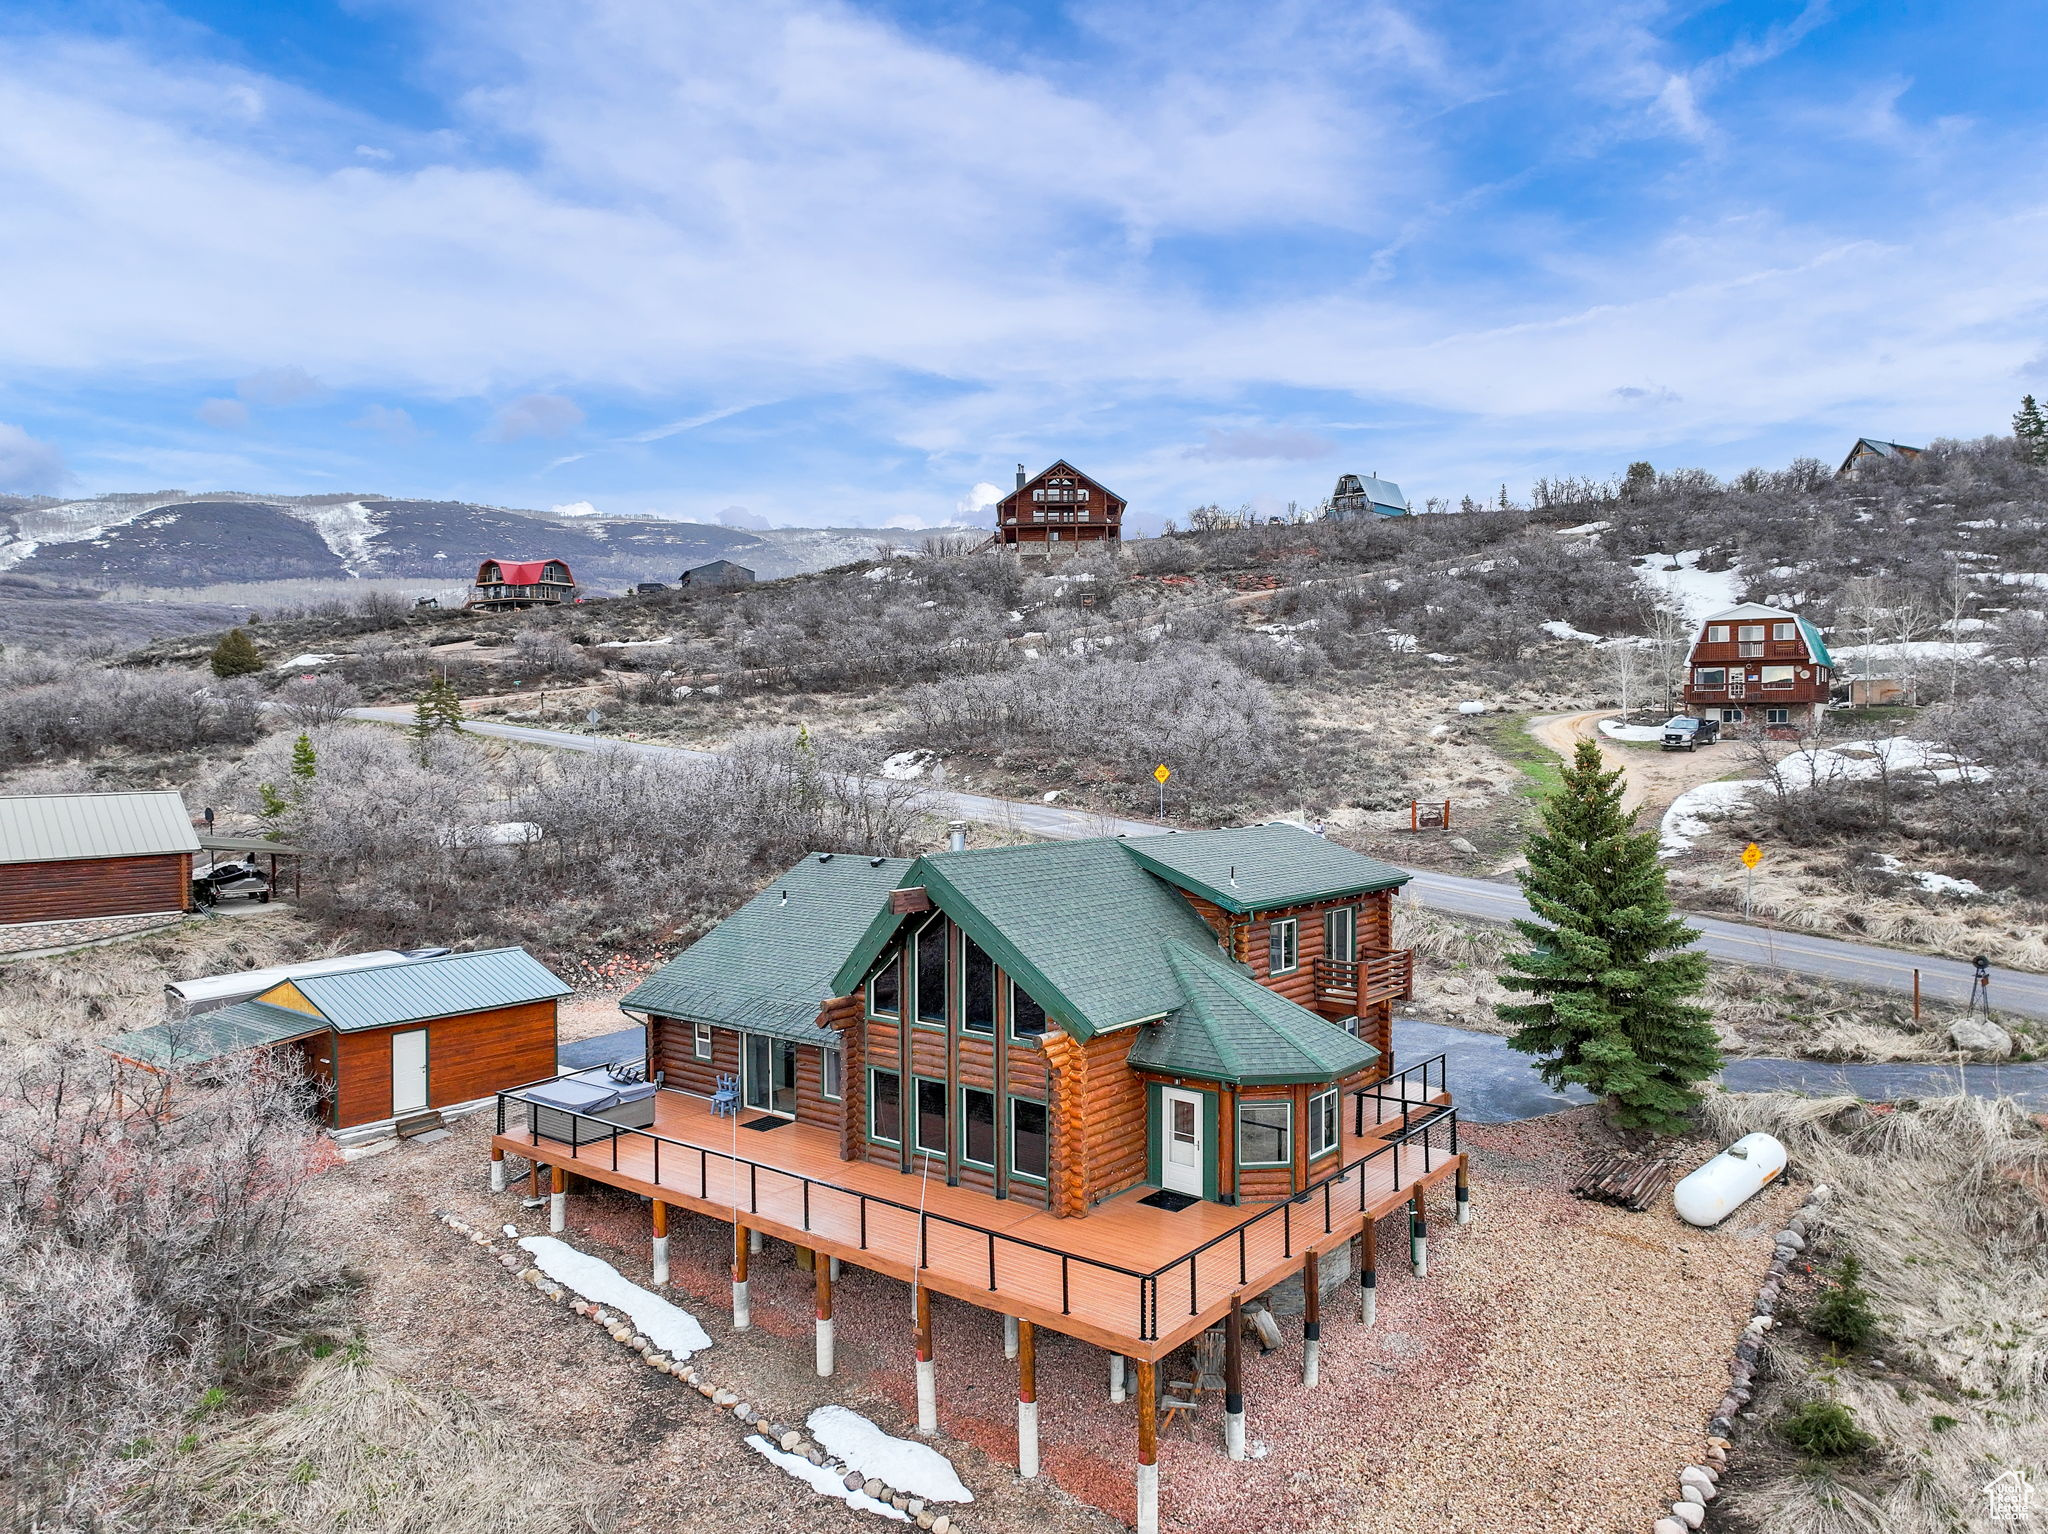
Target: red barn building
[(1060, 512), (508, 583), (1760, 664)]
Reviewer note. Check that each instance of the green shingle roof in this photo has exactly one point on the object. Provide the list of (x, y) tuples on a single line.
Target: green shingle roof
[(417, 989), (772, 964), (211, 1035), (1233, 1029), (1254, 868)]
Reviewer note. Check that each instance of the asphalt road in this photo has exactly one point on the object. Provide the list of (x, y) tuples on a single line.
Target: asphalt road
[(1819, 958)]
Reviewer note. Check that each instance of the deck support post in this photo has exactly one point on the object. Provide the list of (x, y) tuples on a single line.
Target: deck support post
[(823, 1273), (1233, 1381), (1148, 1449), (833, 1264), (1418, 1236), (742, 1311), (754, 1241), (1116, 1379), (1311, 1320), (558, 1200), (1369, 1272), (1027, 1397), (1010, 1336), (533, 1179), (1464, 1193), (497, 1169), (927, 1368), (660, 1244)]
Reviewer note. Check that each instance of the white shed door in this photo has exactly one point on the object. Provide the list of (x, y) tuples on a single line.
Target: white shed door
[(408, 1071)]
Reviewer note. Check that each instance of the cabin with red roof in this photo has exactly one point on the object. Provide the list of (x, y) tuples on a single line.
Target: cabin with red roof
[(502, 584)]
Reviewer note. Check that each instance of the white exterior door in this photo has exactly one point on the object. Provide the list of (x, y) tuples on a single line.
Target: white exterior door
[(408, 1071), (1181, 1152)]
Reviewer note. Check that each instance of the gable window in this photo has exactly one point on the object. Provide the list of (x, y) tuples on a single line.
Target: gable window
[(885, 1107), (1283, 946), (885, 990), (1340, 933), (1027, 1017), (1777, 676), (1783, 630), (978, 1126), (1028, 1146), (931, 1116), (830, 1086), (931, 971), (700, 1040), (1717, 633), (1265, 1133), (977, 989), (1322, 1123)]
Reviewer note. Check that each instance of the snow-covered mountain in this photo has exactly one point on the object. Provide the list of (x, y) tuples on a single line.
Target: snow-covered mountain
[(174, 538)]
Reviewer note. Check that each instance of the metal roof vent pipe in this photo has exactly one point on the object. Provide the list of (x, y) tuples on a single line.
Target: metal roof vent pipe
[(956, 836), (1020, 476)]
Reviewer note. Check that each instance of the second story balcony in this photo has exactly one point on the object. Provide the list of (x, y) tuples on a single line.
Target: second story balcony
[(1376, 975)]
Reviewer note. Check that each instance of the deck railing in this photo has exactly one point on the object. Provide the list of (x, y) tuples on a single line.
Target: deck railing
[(1376, 975), (1272, 1234), (1394, 1090)]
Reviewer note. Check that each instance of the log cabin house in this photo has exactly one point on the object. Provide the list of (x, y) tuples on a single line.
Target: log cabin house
[(1111, 1087), (1060, 511), (383, 1041), (84, 857), (1868, 450), (505, 584), (1758, 664)]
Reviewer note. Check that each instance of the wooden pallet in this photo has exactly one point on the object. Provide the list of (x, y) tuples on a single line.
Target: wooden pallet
[(1624, 1180)]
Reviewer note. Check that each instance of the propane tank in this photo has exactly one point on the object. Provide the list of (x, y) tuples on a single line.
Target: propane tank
[(1709, 1195)]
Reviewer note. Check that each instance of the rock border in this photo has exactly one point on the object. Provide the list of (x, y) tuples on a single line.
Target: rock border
[(1698, 1484), (749, 1417)]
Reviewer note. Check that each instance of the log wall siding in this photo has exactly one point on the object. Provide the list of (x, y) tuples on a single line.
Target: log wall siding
[(1114, 1117), (467, 1058), (79, 888), (1069, 1159), (673, 1052), (843, 1015)]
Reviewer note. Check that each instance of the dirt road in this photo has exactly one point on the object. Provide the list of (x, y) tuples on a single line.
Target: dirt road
[(1654, 777)]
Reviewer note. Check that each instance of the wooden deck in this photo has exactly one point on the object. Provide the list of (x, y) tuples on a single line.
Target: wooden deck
[(1136, 1279)]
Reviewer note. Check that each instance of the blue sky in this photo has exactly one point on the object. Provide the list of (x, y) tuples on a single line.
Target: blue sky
[(812, 263)]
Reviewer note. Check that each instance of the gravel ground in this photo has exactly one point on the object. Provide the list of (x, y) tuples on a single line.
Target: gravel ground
[(1551, 1374)]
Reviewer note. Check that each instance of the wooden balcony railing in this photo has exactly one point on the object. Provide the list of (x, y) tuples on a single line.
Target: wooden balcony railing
[(1376, 975)]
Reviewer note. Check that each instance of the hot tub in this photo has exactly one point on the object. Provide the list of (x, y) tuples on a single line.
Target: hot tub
[(589, 1106)]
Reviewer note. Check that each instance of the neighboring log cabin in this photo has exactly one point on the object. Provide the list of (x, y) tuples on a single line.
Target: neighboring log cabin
[(383, 1041), (504, 584), (1114, 1087), (1061, 511), (1758, 665), (83, 857)]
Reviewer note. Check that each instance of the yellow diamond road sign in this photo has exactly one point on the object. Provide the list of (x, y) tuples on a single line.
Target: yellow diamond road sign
[(1162, 772), (1752, 855)]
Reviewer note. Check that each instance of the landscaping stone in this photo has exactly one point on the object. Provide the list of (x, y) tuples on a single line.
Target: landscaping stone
[(1691, 1514)]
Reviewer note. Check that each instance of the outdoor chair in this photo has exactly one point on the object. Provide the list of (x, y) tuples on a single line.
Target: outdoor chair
[(725, 1102)]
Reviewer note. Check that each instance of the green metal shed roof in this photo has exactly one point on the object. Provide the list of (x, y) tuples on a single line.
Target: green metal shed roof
[(1254, 868), (417, 989), (212, 1035), (49, 828), (772, 964), (1233, 1029)]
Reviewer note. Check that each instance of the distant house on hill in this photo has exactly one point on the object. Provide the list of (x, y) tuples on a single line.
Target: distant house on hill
[(502, 584), (1754, 658), (1358, 496), (1057, 512), (720, 572), (1869, 449)]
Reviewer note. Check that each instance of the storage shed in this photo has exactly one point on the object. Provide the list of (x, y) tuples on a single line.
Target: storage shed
[(386, 1040), (76, 857)]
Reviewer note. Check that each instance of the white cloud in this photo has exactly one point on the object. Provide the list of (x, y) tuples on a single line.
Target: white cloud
[(739, 516), (1268, 442), (28, 465), (976, 504), (226, 414), (576, 509), (389, 420), (279, 386), (536, 415)]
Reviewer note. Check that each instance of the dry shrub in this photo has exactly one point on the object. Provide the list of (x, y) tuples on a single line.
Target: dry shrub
[(50, 712), (1943, 1207), (152, 1248), (358, 1451)]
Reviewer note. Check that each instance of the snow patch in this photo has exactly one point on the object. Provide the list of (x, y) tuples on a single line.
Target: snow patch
[(1929, 881), (307, 661), (1917, 649), (1695, 591), (633, 644), (1584, 530), (1694, 813), (906, 766), (668, 1326), (504, 833), (821, 1480), (1614, 729), (913, 1468), (1557, 628)]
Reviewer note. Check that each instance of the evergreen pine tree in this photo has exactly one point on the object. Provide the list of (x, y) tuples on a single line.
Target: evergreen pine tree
[(2030, 430), (437, 708), (305, 762), (1608, 973), (236, 655)]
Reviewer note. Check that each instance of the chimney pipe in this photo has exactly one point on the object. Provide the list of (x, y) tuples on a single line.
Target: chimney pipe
[(1020, 476), (956, 836)]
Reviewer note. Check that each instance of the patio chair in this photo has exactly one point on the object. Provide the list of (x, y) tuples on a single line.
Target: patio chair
[(725, 1102)]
